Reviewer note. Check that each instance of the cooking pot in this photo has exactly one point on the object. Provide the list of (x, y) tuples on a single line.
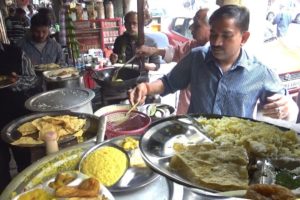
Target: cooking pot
[(128, 78), (71, 82), (72, 99)]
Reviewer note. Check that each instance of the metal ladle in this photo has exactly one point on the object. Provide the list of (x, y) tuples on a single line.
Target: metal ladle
[(116, 72)]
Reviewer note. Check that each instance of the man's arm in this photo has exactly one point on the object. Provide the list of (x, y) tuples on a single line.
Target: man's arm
[(141, 91), (28, 77), (170, 53)]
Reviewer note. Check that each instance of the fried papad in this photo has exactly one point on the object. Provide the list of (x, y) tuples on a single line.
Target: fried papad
[(221, 168), (26, 140), (62, 125), (72, 124), (27, 128)]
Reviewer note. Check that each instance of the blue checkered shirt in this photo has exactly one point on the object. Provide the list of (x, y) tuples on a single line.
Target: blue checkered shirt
[(233, 93), (51, 53)]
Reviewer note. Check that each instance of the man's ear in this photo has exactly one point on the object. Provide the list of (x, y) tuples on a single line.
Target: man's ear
[(245, 36)]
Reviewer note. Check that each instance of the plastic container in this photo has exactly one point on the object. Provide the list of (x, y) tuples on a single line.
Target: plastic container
[(120, 123)]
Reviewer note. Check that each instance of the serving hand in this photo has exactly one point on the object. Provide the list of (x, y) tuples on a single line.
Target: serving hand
[(138, 94), (277, 106)]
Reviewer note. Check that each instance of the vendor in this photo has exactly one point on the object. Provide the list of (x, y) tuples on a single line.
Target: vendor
[(126, 44), (14, 62), (224, 78), (39, 47)]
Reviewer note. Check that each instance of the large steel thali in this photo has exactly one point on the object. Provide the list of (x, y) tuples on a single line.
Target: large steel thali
[(157, 150), (10, 133), (153, 186)]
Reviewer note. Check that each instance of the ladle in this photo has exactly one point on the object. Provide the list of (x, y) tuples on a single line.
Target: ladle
[(116, 72)]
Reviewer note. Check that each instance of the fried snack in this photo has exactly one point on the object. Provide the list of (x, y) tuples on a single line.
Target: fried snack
[(36, 194), (87, 188), (62, 125), (62, 179), (27, 128), (3, 78), (101, 197), (221, 168), (269, 192), (26, 140)]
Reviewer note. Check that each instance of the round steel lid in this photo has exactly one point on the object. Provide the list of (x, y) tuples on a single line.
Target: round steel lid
[(59, 99)]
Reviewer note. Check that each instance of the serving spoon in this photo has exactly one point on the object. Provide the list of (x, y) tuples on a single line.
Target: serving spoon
[(116, 72)]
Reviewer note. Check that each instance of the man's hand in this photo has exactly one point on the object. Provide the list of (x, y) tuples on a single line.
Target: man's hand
[(113, 58), (277, 106), (14, 77), (138, 94), (146, 51)]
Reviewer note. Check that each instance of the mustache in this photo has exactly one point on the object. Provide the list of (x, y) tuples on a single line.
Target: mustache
[(216, 48)]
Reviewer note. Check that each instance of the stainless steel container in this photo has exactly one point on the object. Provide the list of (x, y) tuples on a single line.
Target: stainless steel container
[(72, 99), (72, 82)]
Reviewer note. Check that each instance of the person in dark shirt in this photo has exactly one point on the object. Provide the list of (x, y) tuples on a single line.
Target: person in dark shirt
[(14, 62), (16, 26), (126, 44)]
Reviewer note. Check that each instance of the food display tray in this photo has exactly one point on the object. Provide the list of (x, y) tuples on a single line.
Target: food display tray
[(10, 133), (157, 149), (68, 159)]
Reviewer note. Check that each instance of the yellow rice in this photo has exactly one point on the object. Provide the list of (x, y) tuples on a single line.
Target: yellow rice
[(107, 164)]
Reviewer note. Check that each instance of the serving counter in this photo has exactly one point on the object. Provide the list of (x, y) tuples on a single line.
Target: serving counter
[(68, 159)]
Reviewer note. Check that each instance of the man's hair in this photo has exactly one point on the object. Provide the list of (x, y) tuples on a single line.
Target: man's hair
[(20, 11), (39, 20), (11, 10), (239, 13), (128, 15)]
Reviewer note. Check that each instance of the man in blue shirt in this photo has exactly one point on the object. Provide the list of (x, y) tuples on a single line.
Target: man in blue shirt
[(224, 78), (38, 46)]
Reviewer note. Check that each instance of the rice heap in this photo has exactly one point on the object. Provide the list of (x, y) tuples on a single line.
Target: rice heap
[(259, 138), (107, 164)]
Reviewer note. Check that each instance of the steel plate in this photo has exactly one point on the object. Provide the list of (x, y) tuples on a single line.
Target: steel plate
[(80, 177), (7, 82), (157, 147), (134, 177), (59, 99), (10, 133)]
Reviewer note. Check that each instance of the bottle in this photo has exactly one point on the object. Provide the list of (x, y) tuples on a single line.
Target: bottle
[(109, 10), (50, 138), (100, 10)]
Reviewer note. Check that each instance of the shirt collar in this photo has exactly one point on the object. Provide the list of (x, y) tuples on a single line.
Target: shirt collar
[(242, 61)]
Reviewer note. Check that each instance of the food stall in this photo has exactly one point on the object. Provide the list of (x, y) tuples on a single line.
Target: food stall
[(147, 153)]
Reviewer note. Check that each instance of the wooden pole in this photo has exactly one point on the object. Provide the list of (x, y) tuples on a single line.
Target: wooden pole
[(140, 11), (141, 33)]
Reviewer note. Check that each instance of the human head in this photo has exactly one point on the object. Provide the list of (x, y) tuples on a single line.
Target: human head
[(30, 8), (49, 12), (229, 31), (200, 28), (11, 11), (40, 25), (131, 23), (20, 12)]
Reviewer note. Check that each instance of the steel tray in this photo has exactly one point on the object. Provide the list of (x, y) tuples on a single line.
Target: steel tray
[(10, 133)]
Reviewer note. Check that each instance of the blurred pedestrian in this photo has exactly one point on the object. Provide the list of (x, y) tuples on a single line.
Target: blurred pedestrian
[(282, 20), (17, 25)]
